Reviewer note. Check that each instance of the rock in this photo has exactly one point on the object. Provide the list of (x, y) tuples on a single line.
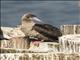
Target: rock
[(15, 43), (9, 32)]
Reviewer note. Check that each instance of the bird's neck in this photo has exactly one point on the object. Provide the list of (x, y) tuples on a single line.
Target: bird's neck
[(27, 26)]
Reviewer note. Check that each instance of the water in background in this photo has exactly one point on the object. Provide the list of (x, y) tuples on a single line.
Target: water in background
[(52, 12)]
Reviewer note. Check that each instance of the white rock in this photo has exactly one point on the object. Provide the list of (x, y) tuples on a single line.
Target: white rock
[(9, 32)]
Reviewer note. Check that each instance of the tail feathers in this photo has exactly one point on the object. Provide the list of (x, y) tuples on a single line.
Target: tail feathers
[(3, 38)]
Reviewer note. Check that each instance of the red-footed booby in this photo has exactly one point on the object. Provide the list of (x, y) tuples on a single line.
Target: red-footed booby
[(33, 26)]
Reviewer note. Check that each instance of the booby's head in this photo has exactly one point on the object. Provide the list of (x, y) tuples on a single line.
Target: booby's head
[(28, 21), (29, 17)]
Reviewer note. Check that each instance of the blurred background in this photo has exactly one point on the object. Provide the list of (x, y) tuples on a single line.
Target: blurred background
[(55, 13)]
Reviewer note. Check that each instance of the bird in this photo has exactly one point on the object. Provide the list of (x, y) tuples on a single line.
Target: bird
[(31, 25)]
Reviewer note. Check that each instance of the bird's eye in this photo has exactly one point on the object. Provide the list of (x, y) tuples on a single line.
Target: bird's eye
[(27, 17)]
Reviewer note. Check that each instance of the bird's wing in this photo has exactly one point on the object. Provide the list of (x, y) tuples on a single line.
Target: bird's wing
[(47, 29)]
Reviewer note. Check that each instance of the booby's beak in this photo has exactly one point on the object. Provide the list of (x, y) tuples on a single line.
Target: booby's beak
[(36, 20)]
